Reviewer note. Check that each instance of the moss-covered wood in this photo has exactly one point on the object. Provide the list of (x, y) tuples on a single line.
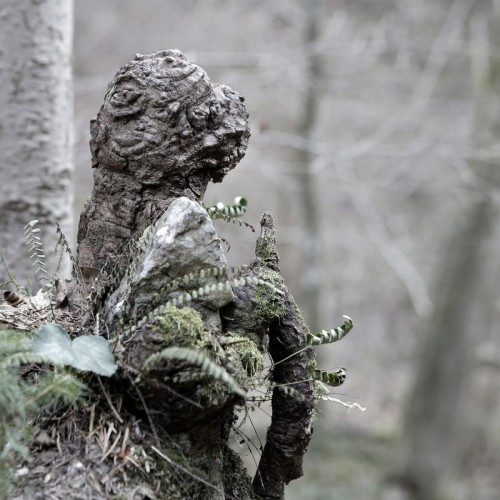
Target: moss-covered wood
[(159, 428)]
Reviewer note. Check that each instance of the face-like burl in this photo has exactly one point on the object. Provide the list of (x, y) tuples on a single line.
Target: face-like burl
[(164, 121)]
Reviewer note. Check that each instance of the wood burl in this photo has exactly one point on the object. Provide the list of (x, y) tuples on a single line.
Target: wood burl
[(165, 130)]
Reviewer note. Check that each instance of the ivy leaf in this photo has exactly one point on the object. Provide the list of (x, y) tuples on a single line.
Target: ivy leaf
[(86, 353), (93, 354), (53, 342)]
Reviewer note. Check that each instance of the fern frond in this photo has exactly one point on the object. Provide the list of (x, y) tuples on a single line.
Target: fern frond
[(22, 358), (20, 399), (14, 341), (189, 279), (36, 252), (195, 358), (237, 221), (55, 387), (259, 399), (333, 335), (186, 297), (236, 210), (63, 243), (334, 379), (214, 213), (14, 412), (288, 390)]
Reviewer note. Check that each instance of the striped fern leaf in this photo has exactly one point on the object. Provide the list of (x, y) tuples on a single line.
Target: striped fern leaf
[(195, 358), (200, 292), (237, 209), (334, 379), (36, 251), (333, 335), (22, 358), (188, 279), (229, 213)]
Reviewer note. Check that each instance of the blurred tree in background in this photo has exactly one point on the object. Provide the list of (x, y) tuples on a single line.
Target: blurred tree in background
[(434, 422), (36, 110)]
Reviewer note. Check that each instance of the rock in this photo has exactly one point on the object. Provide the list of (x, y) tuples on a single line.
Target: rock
[(182, 241)]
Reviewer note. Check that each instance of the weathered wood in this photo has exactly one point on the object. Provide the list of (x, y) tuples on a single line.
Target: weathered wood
[(257, 312), (164, 131)]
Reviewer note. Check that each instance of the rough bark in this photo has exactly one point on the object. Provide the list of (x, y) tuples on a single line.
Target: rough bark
[(165, 131), (255, 312), (291, 427), (35, 127)]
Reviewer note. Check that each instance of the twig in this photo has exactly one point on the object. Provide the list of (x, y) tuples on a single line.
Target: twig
[(148, 414), (108, 399)]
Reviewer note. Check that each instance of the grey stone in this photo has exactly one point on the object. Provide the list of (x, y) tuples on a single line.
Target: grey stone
[(182, 241)]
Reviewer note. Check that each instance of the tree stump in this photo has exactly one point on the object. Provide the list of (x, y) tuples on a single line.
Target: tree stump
[(186, 348), (164, 131)]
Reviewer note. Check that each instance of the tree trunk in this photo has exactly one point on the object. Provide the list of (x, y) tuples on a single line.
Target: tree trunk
[(310, 240), (430, 428), (35, 127), (431, 433)]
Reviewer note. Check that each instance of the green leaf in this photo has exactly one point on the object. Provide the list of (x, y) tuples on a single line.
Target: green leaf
[(240, 200), (86, 353), (93, 354), (52, 341)]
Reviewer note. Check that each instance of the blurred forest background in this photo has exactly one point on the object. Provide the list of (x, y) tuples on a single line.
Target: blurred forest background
[(376, 146)]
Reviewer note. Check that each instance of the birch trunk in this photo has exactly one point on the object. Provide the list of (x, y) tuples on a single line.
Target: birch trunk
[(35, 126)]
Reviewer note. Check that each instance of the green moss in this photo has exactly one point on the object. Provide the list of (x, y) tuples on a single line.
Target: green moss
[(184, 328), (181, 327), (247, 352), (212, 393), (237, 482), (268, 305), (266, 249)]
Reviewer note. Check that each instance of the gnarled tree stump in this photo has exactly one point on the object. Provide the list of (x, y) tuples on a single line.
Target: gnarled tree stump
[(164, 131)]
